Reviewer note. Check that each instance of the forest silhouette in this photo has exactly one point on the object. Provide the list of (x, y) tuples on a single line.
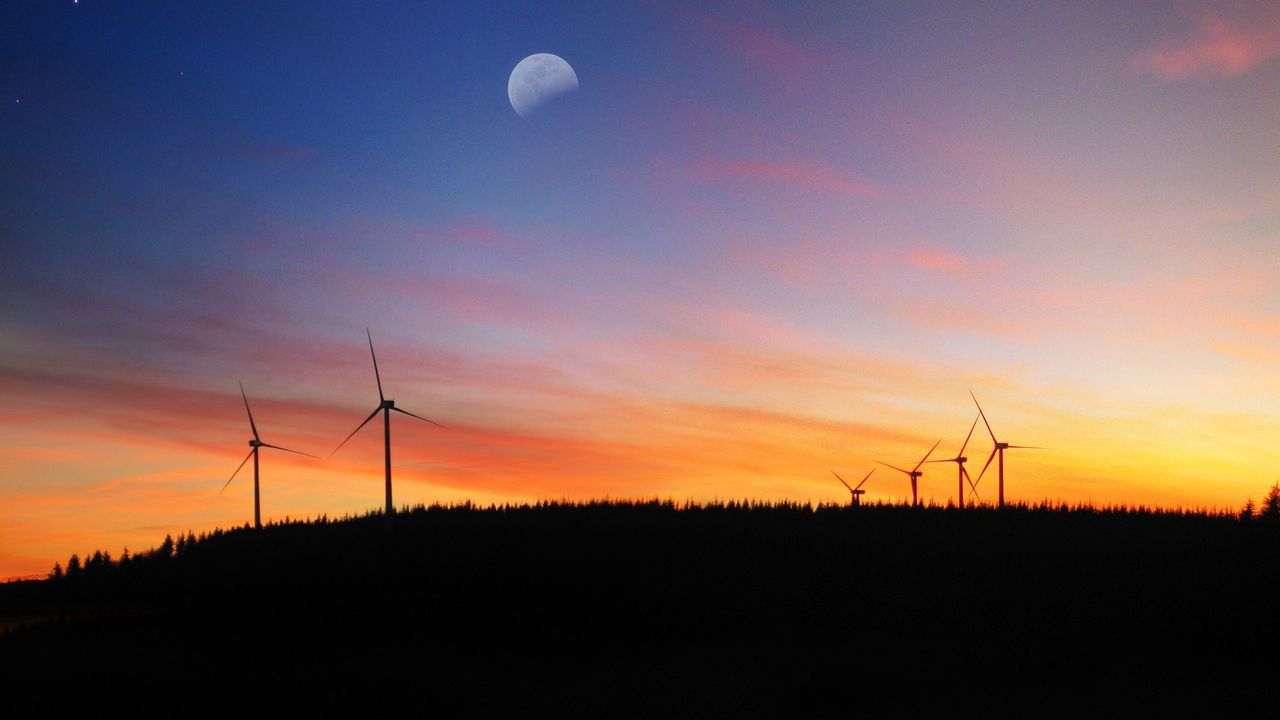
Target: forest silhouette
[(575, 605)]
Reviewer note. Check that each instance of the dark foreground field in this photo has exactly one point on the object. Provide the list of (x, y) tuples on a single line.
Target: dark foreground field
[(654, 608)]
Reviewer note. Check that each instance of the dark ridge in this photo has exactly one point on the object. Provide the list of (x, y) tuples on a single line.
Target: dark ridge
[(684, 607)]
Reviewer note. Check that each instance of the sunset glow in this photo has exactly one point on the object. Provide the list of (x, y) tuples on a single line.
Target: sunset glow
[(758, 244)]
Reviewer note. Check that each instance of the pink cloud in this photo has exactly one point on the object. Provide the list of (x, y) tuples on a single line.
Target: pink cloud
[(475, 232), (753, 43), (952, 316), (478, 299), (804, 174), (762, 47), (936, 258), (1215, 47)]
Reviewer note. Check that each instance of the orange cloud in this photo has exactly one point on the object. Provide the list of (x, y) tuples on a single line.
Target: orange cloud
[(1253, 352), (709, 398), (1216, 47)]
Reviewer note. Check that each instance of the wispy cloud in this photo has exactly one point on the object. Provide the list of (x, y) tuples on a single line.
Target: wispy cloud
[(471, 231), (1215, 46), (935, 258), (753, 43), (804, 174)]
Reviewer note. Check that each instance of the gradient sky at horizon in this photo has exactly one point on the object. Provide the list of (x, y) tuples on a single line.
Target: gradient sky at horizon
[(761, 242)]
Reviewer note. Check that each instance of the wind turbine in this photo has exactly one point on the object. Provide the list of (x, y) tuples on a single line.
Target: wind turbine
[(999, 449), (255, 443), (914, 473), (385, 406), (960, 460), (855, 493)]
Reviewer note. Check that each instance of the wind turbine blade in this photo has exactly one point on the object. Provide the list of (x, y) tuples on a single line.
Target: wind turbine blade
[(1028, 447), (377, 376), (990, 457), (252, 427), (895, 467), (864, 480), (984, 417), (954, 459), (237, 472), (842, 482), (353, 432), (406, 412), (295, 452), (966, 437), (926, 455), (973, 487)]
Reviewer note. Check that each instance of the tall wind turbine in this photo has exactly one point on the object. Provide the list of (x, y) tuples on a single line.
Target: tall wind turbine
[(385, 406), (914, 473), (255, 443), (960, 460), (999, 449), (855, 493)]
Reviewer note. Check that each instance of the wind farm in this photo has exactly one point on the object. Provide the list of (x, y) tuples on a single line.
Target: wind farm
[(685, 574), (386, 406), (650, 279)]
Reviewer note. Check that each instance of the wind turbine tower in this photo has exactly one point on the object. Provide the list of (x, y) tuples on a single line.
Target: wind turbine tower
[(385, 406), (255, 444), (960, 460), (914, 473), (855, 493), (999, 449)]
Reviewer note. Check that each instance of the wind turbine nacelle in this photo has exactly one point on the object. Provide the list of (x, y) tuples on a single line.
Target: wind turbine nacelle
[(255, 443), (1002, 446), (859, 492), (387, 403), (962, 460)]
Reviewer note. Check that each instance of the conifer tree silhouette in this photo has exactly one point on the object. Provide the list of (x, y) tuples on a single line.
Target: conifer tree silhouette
[(1270, 511)]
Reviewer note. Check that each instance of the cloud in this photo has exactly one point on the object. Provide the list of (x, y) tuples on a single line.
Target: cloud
[(803, 174), (475, 232), (1216, 46), (1252, 352), (752, 43), (936, 258), (478, 299)]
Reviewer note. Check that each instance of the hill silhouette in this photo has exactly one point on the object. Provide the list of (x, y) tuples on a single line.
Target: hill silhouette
[(685, 609)]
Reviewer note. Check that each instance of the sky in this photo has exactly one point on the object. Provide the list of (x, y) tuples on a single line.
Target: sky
[(759, 243)]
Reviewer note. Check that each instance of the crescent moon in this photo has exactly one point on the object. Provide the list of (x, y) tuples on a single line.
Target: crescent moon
[(537, 79)]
